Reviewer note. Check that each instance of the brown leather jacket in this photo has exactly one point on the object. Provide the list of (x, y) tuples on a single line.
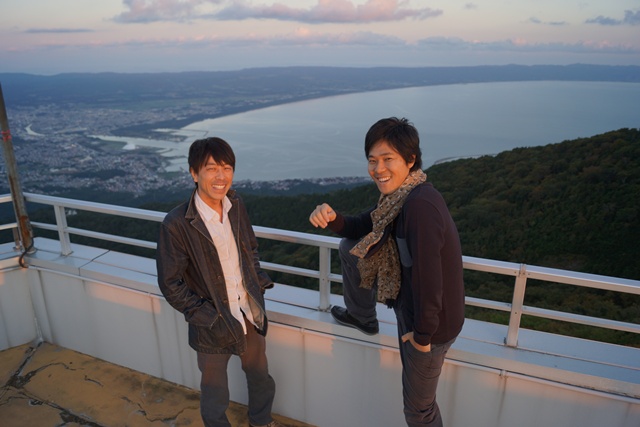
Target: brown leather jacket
[(191, 279)]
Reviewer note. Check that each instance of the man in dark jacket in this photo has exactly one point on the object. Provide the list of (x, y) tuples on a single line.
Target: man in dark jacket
[(209, 270), (405, 253)]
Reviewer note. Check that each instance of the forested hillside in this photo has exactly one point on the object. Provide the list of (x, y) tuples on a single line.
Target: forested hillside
[(573, 205)]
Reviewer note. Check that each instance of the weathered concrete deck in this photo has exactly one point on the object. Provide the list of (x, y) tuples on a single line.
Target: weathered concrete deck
[(47, 386)]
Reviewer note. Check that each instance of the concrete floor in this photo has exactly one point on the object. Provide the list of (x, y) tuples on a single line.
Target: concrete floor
[(50, 386)]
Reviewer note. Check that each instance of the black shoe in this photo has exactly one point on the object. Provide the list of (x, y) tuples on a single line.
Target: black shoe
[(342, 316)]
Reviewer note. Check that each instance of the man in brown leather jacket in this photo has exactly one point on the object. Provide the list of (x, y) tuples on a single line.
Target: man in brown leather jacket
[(209, 270)]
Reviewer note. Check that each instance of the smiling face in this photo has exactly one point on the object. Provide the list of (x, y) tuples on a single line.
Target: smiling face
[(387, 167), (214, 180)]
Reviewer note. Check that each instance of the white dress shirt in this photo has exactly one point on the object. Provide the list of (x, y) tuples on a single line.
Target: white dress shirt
[(222, 236)]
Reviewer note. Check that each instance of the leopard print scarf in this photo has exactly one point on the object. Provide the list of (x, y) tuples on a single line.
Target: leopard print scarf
[(384, 264)]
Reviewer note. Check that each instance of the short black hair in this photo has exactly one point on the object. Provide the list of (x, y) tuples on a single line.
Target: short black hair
[(215, 147), (400, 134)]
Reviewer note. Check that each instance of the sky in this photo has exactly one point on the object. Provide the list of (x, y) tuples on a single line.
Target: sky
[(134, 36)]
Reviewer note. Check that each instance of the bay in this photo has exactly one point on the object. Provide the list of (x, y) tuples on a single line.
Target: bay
[(324, 138)]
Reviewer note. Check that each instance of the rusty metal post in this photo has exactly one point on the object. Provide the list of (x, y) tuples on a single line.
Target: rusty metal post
[(19, 207)]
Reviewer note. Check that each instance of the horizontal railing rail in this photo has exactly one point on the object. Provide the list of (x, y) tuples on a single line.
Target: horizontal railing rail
[(520, 272)]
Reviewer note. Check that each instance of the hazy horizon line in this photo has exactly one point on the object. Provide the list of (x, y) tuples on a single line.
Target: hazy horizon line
[(575, 64)]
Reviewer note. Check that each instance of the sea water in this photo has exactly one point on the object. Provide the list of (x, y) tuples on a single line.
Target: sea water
[(324, 137)]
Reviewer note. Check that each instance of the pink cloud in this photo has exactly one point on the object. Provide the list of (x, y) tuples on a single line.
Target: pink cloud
[(141, 11), (325, 11)]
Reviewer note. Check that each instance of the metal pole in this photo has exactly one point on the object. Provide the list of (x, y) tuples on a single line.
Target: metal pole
[(24, 226), (516, 307), (325, 283)]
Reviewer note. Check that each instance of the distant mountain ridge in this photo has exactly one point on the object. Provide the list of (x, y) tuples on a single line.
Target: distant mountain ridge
[(284, 84)]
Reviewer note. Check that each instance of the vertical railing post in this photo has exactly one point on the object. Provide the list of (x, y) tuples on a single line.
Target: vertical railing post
[(63, 234), (516, 307), (16, 240), (325, 283)]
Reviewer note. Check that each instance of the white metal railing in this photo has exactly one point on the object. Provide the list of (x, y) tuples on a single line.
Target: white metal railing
[(325, 277)]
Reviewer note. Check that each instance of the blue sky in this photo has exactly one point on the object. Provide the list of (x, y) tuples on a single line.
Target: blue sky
[(50, 37)]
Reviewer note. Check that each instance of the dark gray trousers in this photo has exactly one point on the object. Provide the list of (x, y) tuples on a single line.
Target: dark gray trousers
[(420, 371), (214, 386)]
